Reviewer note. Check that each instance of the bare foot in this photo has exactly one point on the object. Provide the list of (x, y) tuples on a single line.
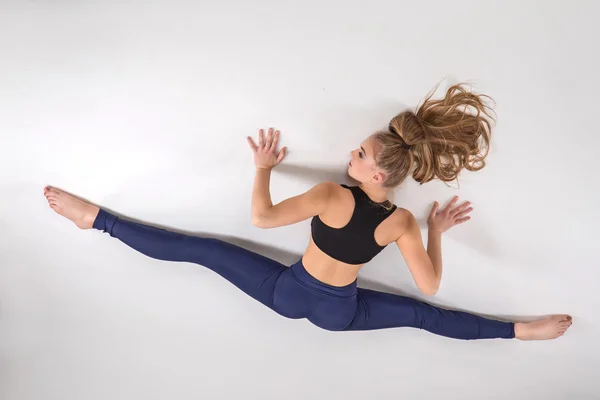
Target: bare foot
[(81, 213), (544, 329)]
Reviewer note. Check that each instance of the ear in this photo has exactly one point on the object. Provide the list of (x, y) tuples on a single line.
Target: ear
[(378, 177)]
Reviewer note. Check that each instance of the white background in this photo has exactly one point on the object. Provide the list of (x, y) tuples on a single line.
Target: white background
[(144, 108)]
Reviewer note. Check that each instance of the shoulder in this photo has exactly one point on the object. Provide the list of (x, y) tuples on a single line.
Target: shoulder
[(330, 185), (403, 219), (326, 188), (337, 192), (322, 192)]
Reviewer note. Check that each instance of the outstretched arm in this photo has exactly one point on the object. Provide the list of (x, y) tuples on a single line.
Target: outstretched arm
[(290, 211), (266, 157), (426, 265), (265, 215)]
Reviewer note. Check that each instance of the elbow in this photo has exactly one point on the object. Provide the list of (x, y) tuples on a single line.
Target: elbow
[(261, 218), (258, 222), (430, 289)]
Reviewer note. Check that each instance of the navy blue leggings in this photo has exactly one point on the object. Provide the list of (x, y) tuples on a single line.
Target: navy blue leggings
[(294, 293)]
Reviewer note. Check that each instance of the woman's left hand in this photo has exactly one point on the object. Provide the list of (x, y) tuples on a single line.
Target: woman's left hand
[(265, 154), (449, 216)]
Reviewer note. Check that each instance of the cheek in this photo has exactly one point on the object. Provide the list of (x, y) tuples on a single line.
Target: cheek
[(356, 168)]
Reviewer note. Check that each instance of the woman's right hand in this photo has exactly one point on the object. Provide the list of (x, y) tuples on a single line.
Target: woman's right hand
[(448, 217)]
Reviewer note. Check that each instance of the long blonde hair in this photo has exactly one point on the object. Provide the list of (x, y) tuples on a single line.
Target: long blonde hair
[(439, 140)]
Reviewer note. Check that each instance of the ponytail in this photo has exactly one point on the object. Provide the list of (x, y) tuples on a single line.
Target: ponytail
[(439, 140)]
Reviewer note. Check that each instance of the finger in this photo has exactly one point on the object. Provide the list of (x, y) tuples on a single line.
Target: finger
[(434, 209), (252, 145), (463, 213), (269, 140), (281, 155), (275, 140), (461, 220), (261, 138), (451, 204), (460, 208)]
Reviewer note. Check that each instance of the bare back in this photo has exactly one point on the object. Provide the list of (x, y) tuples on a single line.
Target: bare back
[(337, 215)]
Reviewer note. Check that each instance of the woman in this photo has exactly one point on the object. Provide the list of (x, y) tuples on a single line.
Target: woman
[(350, 225)]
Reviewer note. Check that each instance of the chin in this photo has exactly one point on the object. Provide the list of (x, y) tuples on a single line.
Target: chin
[(350, 172)]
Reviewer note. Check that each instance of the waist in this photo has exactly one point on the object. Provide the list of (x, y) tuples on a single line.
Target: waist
[(302, 275), (328, 270)]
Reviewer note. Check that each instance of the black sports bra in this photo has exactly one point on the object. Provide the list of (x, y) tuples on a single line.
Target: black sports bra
[(354, 243)]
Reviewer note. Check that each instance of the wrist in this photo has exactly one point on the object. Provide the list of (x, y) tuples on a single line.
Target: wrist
[(435, 231)]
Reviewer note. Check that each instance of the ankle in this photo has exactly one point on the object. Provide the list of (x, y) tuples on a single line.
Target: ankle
[(519, 328)]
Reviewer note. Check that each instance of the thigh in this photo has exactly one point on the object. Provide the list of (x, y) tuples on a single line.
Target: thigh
[(379, 310), (251, 272)]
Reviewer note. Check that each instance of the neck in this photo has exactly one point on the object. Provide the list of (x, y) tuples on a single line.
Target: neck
[(375, 193)]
